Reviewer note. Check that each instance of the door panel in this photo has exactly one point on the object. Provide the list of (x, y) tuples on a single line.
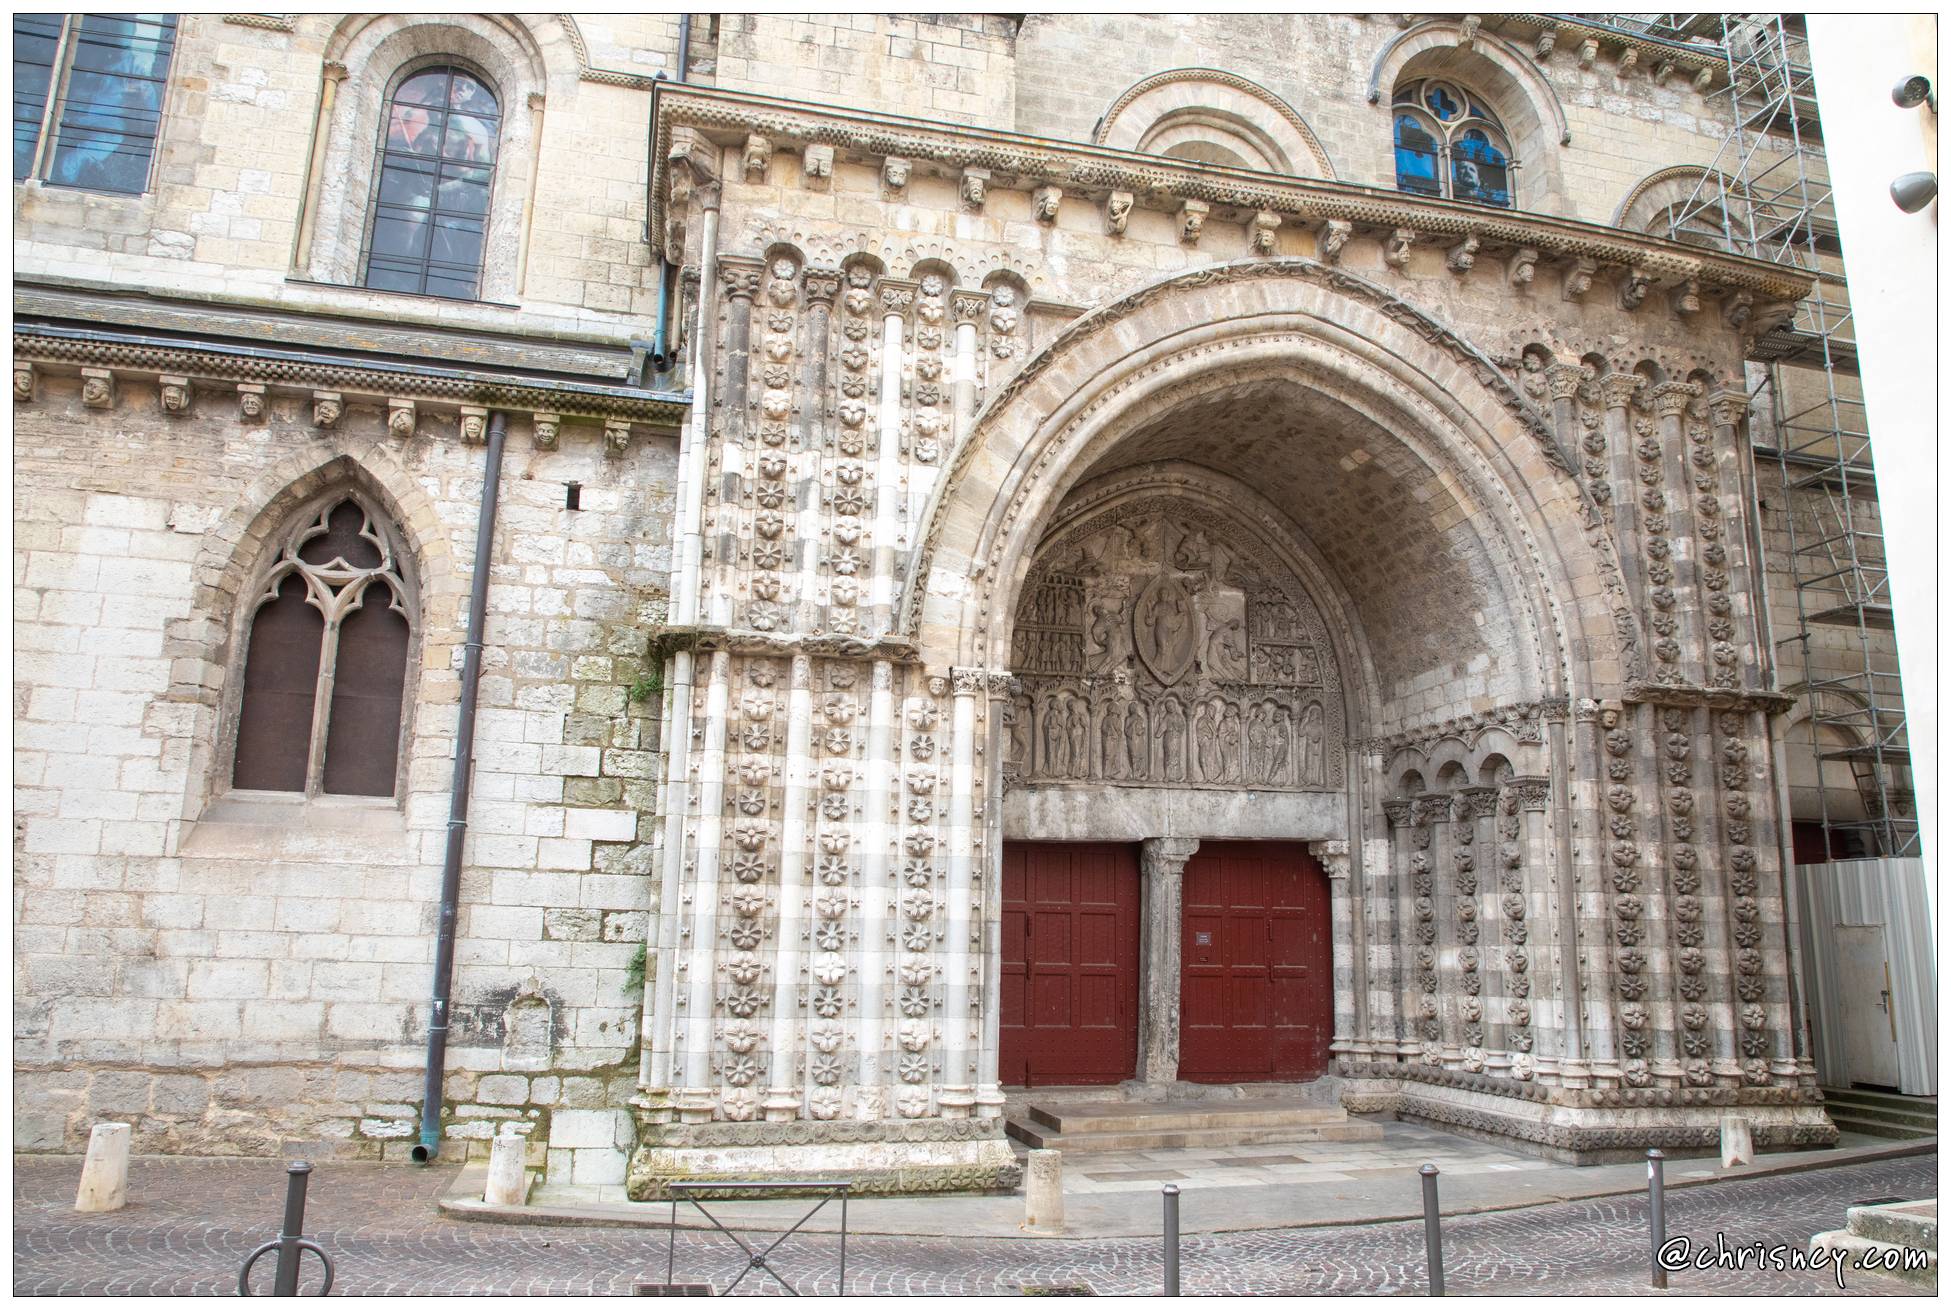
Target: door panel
[(1870, 1039), (1257, 990), (1070, 964)]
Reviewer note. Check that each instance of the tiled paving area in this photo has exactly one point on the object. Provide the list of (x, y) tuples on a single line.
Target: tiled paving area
[(1402, 1149), (193, 1221)]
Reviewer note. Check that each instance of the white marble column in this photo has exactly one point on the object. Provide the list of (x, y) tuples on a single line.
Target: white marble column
[(1161, 864), (958, 1078)]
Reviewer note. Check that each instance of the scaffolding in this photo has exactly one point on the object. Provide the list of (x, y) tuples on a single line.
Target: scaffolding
[(1767, 195)]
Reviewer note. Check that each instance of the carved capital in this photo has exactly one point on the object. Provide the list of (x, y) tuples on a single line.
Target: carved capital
[(1334, 857), (1002, 685), (1475, 803), (1619, 390), (1564, 380), (822, 285), (967, 306), (1400, 813), (740, 275), (967, 682), (1165, 857), (1670, 399), (896, 297), (1728, 408), (1533, 793)]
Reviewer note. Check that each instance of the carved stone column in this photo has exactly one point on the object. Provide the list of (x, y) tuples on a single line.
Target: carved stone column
[(957, 1094), (897, 298), (1161, 864), (1348, 941)]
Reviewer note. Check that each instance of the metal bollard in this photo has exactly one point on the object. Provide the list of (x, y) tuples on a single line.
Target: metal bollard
[(1432, 1229), (1171, 1239), (1656, 1195), (290, 1242)]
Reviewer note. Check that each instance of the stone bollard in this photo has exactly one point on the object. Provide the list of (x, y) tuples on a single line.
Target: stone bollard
[(507, 1167), (1737, 1141), (105, 1174), (1043, 1193)]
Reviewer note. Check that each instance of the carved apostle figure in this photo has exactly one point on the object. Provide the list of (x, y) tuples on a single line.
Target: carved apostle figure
[(1077, 718), (1229, 743), (1313, 747), (1205, 735), (1172, 738), (1137, 742), (1280, 725), (1111, 744), (1019, 732), (1056, 747), (1259, 745)]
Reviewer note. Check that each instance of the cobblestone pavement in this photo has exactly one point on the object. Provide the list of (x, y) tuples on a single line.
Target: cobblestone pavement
[(193, 1221)]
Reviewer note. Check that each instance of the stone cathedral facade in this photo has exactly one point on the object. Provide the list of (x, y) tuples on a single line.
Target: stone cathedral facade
[(1215, 551)]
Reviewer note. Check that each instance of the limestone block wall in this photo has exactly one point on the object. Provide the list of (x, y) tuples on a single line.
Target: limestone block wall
[(237, 975), (952, 68)]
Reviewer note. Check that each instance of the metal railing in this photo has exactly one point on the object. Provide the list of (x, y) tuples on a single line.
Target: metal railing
[(823, 1191)]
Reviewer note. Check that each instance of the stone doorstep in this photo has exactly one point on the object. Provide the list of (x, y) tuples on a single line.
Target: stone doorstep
[(1120, 1116), (1038, 1137), (462, 1200)]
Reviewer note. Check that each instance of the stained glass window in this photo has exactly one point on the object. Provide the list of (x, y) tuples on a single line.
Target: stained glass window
[(108, 74), (436, 172), (1448, 144)]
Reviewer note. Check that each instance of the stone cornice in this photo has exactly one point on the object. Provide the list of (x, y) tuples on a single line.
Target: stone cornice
[(210, 365), (1693, 60), (1084, 170), (747, 641), (1712, 698)]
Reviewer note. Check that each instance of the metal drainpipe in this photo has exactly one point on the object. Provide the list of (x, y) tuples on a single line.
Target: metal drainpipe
[(660, 350), (450, 873)]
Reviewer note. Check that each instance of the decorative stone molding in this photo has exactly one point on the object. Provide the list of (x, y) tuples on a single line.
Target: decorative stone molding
[(1578, 279), (23, 380), (758, 157), (217, 369), (1261, 238), (1334, 857), (1094, 171), (1334, 236), (1109, 126), (1463, 255), (250, 402), (1395, 251), (327, 407), (1524, 266)]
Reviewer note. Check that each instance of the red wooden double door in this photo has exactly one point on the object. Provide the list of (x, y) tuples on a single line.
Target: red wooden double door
[(1256, 985)]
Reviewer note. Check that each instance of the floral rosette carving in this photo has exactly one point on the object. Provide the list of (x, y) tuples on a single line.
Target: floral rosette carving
[(913, 928), (1517, 961), (776, 321), (1629, 961), (1422, 881), (1463, 860), (1658, 546), (928, 430), (1744, 908), (1722, 652), (749, 855)]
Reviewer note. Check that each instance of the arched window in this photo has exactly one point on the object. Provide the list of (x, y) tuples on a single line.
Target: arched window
[(326, 659), (437, 150), (1448, 144)]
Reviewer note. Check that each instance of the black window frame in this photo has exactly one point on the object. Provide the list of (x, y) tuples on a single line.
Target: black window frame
[(73, 130), (405, 163)]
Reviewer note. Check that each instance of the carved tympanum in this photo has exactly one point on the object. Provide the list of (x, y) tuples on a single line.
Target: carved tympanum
[(1159, 645)]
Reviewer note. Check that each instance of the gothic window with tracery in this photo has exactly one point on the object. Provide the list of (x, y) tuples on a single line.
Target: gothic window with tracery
[(326, 659), (428, 231), (1448, 143)]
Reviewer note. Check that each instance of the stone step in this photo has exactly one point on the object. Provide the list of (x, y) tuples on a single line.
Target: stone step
[(1915, 1113), (1179, 1116), (1871, 1096), (1901, 1223), (1884, 1258), (1880, 1127), (1041, 1137)]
